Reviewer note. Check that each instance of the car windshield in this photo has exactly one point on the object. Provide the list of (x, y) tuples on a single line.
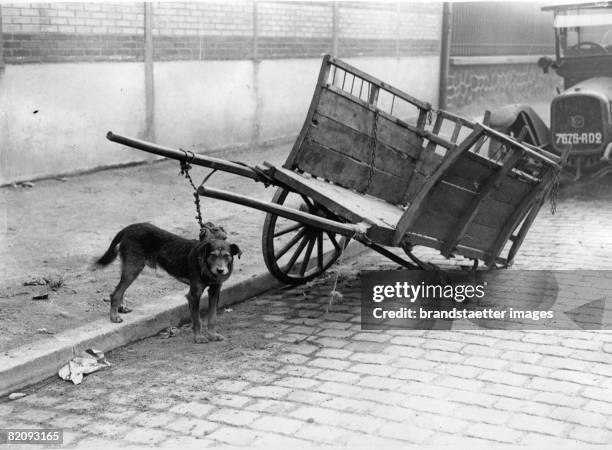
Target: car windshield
[(586, 32)]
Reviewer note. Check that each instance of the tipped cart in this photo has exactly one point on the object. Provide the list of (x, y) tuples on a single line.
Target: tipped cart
[(376, 165)]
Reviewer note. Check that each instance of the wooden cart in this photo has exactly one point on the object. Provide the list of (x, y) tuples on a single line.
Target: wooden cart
[(374, 164)]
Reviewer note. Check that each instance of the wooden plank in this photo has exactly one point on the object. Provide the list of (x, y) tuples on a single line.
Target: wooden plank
[(418, 130), (373, 95), (472, 171), (343, 110), (452, 202), (344, 139), (391, 189), (398, 137), (411, 214), (321, 81), (525, 228), (350, 173), (519, 213), (334, 166), (439, 226), (476, 204), (456, 131), (350, 205)]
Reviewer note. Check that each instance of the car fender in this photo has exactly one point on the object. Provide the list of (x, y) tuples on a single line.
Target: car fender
[(510, 119)]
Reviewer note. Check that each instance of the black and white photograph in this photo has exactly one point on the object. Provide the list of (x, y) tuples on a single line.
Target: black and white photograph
[(306, 224)]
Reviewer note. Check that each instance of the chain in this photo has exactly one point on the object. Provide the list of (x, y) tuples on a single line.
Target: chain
[(185, 168), (373, 142), (554, 190)]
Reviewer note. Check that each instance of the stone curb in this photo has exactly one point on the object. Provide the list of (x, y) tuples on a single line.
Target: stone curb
[(32, 363)]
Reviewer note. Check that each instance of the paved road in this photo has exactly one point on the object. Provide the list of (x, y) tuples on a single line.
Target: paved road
[(295, 370)]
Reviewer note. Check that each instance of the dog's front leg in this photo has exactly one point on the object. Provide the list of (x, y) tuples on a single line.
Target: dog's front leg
[(213, 300), (193, 297)]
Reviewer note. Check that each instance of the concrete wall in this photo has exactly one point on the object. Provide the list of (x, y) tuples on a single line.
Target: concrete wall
[(226, 73), (199, 105), (53, 117)]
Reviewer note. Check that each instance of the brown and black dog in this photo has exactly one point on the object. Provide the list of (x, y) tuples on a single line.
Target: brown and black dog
[(205, 263)]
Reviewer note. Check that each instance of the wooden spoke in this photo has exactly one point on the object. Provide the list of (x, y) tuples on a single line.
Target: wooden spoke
[(320, 251), (289, 229), (306, 259), (309, 203), (332, 237), (289, 244), (296, 255)]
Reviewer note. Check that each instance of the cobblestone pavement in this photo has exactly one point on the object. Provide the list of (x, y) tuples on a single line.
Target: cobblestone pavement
[(295, 370)]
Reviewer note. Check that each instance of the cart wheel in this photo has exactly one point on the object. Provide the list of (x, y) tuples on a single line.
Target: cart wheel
[(295, 253)]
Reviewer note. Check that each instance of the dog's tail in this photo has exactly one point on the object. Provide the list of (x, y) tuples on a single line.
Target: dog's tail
[(111, 253)]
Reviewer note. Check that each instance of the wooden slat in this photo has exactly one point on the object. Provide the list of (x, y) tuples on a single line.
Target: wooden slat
[(436, 129), (411, 214), (398, 137), (457, 119), (452, 203), (439, 226), (456, 131), (321, 81), (418, 130), (520, 211), (477, 202), (350, 205), (343, 110), (350, 173), (410, 99), (343, 139), (387, 187), (334, 166), (472, 171), (524, 228)]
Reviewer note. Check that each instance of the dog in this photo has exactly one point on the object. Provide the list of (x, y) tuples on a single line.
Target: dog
[(199, 263)]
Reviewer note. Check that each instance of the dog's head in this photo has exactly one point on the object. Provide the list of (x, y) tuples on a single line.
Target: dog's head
[(216, 258)]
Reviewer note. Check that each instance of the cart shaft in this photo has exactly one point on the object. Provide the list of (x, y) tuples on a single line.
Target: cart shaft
[(187, 156), (345, 229)]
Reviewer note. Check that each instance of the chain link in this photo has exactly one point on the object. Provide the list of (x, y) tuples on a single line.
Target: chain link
[(373, 142), (554, 190), (185, 168)]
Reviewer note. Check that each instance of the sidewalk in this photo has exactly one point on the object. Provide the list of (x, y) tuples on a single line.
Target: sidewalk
[(56, 228)]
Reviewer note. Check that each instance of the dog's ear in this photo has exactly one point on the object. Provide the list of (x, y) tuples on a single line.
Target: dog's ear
[(235, 250)]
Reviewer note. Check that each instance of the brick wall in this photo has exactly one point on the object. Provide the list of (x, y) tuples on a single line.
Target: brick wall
[(71, 32), (486, 86), (65, 32)]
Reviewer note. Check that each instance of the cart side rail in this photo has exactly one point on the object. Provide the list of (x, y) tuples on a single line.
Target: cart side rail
[(483, 193)]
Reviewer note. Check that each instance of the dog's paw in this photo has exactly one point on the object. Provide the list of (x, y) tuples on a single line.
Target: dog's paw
[(116, 319), (124, 310), (214, 336), (200, 339)]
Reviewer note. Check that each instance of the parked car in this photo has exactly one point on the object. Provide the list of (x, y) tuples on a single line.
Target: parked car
[(580, 115)]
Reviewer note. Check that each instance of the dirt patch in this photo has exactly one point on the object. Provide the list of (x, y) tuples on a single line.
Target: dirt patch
[(54, 229)]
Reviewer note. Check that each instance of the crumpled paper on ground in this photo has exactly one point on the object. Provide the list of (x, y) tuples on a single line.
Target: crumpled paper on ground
[(91, 360)]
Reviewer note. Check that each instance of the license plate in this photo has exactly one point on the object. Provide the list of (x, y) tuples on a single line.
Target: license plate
[(578, 138)]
